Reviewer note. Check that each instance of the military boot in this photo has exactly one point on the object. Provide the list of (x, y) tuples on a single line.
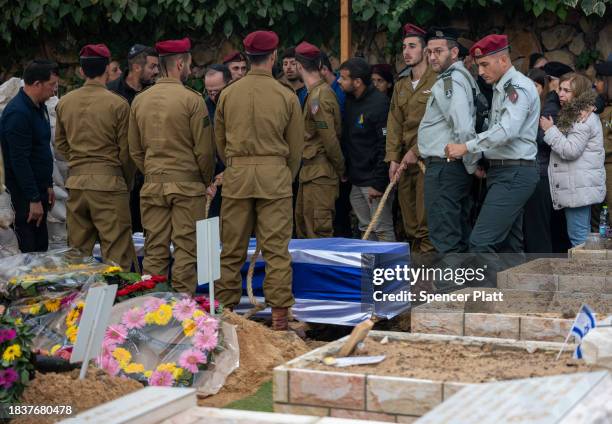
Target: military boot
[(280, 319)]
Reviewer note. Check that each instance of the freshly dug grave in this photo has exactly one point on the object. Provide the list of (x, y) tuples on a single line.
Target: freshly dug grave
[(444, 361), (66, 389), (261, 349)]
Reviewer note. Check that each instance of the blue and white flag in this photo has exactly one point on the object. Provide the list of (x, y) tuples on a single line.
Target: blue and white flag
[(585, 321)]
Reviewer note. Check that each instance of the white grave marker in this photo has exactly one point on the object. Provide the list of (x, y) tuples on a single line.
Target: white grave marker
[(209, 255), (98, 307)]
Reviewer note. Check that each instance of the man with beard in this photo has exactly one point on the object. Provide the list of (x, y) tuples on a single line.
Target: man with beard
[(407, 109), (449, 118), (171, 142), (142, 71), (292, 76)]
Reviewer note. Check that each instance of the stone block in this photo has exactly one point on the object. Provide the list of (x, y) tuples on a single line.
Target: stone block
[(530, 281), (280, 385), (321, 388), (492, 325), (437, 322), (580, 253), (581, 283), (544, 329), (408, 396), (410, 419), (450, 388), (361, 415), (287, 408)]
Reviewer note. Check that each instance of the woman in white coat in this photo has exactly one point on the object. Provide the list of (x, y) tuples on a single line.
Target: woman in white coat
[(576, 169)]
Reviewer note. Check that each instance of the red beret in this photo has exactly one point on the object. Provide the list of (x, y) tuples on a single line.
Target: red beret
[(260, 42), (234, 56), (413, 30), (170, 47), (307, 50), (95, 50), (488, 45)]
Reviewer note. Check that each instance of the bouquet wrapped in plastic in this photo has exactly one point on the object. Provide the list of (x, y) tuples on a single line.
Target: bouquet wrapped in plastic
[(16, 365), (167, 339)]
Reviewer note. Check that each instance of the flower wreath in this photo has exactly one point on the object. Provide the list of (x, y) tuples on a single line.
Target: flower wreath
[(16, 367), (201, 336), (145, 285)]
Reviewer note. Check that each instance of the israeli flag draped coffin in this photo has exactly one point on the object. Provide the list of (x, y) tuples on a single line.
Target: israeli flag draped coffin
[(332, 279)]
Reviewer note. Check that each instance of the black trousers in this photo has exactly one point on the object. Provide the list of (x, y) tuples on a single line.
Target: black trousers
[(342, 219), (135, 202), (537, 220), (30, 237)]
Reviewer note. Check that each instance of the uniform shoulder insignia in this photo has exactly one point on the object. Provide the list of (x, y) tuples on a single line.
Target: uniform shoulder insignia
[(448, 85), (511, 92), (314, 105)]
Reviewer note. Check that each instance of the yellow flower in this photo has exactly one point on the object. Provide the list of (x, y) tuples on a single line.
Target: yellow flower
[(177, 373), (13, 280), (123, 356), (11, 352), (55, 349), (148, 373), (163, 315), (34, 309), (80, 305), (168, 366), (189, 327), (19, 322), (112, 269), (71, 333), (198, 313), (52, 305), (150, 318), (134, 367)]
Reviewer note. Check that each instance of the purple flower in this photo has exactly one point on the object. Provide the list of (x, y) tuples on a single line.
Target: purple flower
[(9, 334), (10, 376)]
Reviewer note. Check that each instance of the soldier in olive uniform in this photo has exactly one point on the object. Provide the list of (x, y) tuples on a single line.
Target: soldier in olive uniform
[(260, 136), (91, 133), (450, 117), (407, 109), (509, 144), (172, 143), (323, 164)]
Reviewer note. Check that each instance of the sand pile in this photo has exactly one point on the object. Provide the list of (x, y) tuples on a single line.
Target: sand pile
[(66, 389), (261, 349)]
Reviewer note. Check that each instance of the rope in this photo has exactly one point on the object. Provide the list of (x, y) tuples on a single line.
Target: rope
[(383, 200), (257, 307)]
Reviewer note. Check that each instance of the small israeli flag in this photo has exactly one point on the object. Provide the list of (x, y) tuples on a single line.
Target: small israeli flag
[(584, 322)]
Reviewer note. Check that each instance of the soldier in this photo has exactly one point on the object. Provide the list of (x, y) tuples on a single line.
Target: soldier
[(237, 64), (323, 164), (171, 142), (509, 144), (407, 108), (91, 133), (449, 117), (260, 136)]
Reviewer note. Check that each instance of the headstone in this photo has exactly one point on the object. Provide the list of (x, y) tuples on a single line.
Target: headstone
[(544, 400)]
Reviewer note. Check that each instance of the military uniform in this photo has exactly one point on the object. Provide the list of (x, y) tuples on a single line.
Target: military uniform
[(510, 146), (91, 133), (172, 143), (323, 164), (449, 118), (407, 109), (260, 136)]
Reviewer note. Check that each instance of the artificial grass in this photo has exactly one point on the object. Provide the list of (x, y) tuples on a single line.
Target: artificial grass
[(260, 401)]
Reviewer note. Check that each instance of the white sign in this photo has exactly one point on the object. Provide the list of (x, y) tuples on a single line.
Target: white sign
[(98, 307), (209, 255)]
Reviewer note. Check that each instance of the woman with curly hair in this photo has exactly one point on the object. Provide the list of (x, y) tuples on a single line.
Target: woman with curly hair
[(576, 169)]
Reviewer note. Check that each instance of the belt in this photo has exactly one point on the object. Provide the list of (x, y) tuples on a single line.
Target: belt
[(316, 159), (256, 160), (511, 162), (173, 177), (95, 169), (434, 159)]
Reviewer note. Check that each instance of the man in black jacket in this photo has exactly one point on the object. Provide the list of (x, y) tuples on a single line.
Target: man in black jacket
[(25, 134), (364, 133)]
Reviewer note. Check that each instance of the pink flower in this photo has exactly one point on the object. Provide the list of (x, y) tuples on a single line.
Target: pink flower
[(9, 377), (153, 304), (184, 309), (205, 340), (207, 322), (116, 333), (134, 318), (190, 360), (68, 299), (10, 334), (161, 378), (109, 364)]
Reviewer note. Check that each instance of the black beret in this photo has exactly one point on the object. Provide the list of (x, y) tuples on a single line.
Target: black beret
[(556, 69), (435, 33), (604, 68)]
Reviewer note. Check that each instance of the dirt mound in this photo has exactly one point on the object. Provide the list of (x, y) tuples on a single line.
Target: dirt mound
[(66, 389), (261, 349)]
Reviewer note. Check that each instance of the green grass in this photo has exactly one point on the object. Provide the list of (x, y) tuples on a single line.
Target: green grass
[(260, 401)]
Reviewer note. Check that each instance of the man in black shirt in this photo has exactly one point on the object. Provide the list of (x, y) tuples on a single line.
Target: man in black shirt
[(364, 133), (25, 134), (142, 71)]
